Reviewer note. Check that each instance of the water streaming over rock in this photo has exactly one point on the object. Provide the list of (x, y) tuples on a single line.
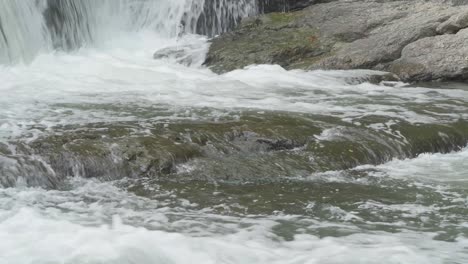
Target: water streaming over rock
[(28, 27), (110, 153), (23, 30)]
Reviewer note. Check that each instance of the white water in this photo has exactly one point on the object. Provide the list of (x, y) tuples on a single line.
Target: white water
[(114, 67), (28, 27), (21, 29), (100, 223), (53, 89)]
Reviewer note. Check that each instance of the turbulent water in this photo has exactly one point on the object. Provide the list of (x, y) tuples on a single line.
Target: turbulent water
[(29, 27), (74, 66)]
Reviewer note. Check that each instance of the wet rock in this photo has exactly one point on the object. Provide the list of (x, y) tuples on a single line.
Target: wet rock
[(270, 39), (182, 54), (165, 53), (282, 144), (374, 77), (111, 152), (268, 6), (434, 138), (255, 147), (393, 36), (4, 149), (26, 170)]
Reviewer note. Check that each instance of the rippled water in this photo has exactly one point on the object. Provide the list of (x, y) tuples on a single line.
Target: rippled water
[(403, 211), (120, 81)]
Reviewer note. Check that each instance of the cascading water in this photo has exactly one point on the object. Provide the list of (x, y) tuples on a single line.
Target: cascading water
[(108, 155), (23, 31), (28, 27)]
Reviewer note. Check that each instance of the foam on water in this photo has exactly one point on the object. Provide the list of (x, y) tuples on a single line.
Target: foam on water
[(30, 27), (437, 171), (435, 168), (116, 79), (92, 222), (99, 223), (79, 87)]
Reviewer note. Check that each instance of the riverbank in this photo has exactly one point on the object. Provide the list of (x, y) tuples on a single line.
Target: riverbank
[(415, 40)]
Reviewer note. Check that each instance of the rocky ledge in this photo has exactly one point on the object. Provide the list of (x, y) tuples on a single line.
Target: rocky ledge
[(255, 148), (416, 40)]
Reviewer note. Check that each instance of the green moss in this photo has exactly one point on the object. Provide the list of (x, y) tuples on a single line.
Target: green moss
[(429, 138), (87, 148), (262, 42), (280, 18), (255, 145), (275, 126)]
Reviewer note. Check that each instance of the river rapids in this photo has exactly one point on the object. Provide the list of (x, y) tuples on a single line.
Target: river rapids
[(108, 155)]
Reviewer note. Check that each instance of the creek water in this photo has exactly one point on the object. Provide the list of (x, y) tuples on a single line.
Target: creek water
[(73, 66)]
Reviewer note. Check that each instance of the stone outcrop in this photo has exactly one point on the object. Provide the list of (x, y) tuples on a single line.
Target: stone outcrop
[(440, 57), (417, 40)]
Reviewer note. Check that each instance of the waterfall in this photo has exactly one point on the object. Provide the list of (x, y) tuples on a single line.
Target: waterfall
[(22, 29), (28, 27), (221, 15)]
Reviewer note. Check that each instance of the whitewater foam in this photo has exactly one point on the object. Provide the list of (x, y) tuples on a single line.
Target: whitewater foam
[(405, 211), (99, 223), (31, 27), (116, 81)]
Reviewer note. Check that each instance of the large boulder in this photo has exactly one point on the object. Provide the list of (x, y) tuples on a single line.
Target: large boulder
[(414, 39), (441, 57)]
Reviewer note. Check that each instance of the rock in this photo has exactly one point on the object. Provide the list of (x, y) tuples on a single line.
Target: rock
[(4, 149), (183, 54), (371, 34), (454, 24), (178, 54), (111, 151), (268, 6), (255, 147), (441, 57), (270, 39)]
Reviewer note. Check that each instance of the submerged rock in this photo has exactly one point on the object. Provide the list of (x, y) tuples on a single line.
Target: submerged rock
[(4, 150), (184, 53), (258, 147), (179, 54), (414, 39)]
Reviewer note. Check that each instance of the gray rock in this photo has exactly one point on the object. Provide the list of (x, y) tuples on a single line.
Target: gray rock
[(441, 57), (182, 54), (353, 34), (4, 149), (179, 54), (454, 24), (386, 35)]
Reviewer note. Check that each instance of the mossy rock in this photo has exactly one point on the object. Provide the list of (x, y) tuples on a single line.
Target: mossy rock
[(274, 38), (258, 147), (431, 138)]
